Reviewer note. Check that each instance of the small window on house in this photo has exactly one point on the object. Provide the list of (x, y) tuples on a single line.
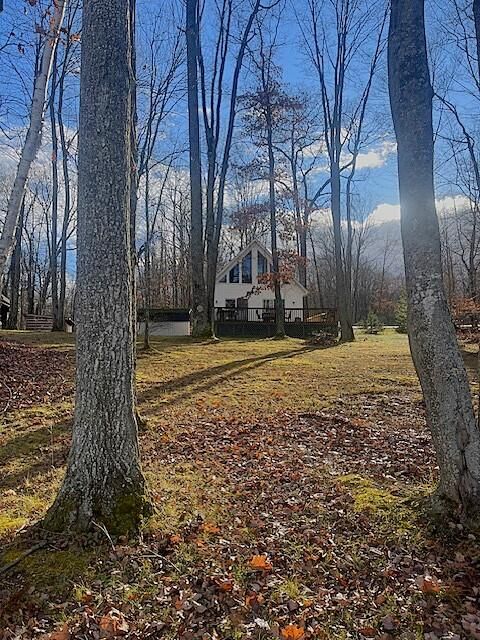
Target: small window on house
[(247, 269), (262, 264), (234, 275), (223, 278), (269, 304), (230, 303)]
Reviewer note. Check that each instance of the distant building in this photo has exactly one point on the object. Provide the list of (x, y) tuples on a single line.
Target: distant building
[(239, 283)]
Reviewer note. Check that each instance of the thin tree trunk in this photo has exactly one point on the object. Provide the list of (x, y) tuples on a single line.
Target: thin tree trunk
[(201, 326), (33, 137), (15, 273), (279, 308), (476, 18), (104, 482), (66, 207), (57, 324), (344, 313), (433, 342), (148, 283)]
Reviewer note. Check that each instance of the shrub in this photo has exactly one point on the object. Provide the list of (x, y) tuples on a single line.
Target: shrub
[(372, 323), (401, 314)]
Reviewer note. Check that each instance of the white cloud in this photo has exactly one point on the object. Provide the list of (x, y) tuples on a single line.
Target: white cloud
[(376, 158), (384, 213), (391, 212), (449, 204)]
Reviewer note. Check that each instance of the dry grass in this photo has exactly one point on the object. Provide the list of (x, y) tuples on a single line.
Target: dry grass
[(253, 388), (180, 381)]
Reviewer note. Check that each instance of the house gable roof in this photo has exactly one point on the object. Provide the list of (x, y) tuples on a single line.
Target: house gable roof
[(239, 257)]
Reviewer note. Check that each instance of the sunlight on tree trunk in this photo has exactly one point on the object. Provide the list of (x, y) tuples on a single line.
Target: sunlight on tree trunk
[(433, 341)]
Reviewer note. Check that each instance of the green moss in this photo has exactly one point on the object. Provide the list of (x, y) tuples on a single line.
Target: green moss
[(51, 570), (129, 513), (394, 514), (8, 523), (368, 497)]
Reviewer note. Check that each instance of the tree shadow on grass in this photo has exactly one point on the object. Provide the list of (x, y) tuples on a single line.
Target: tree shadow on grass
[(203, 380), (37, 447)]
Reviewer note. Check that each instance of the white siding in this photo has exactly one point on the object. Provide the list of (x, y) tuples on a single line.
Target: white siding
[(292, 293)]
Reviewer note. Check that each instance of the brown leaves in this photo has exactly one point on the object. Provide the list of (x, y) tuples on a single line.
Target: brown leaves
[(428, 584), (261, 563), (61, 634), (292, 633), (368, 632), (208, 527), (113, 625), (32, 375)]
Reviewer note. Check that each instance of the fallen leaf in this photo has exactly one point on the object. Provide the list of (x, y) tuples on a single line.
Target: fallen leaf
[(208, 527), (368, 632), (113, 624), (176, 539), (61, 634), (225, 585), (261, 563), (428, 584), (292, 632)]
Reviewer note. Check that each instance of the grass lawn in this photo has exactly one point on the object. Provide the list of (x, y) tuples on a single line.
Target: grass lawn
[(289, 484)]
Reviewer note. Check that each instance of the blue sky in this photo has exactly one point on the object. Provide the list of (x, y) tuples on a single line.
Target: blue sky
[(377, 180)]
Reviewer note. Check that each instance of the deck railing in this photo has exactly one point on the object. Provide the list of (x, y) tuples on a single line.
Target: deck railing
[(325, 316)]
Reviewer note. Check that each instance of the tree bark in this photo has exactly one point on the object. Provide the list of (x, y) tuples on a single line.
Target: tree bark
[(344, 312), (104, 482), (57, 324), (33, 137), (201, 325), (433, 342), (476, 18), (15, 274), (279, 307)]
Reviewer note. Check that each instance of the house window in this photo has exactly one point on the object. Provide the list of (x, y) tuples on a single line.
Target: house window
[(262, 264), (270, 304), (223, 278), (234, 276), (230, 304), (247, 269)]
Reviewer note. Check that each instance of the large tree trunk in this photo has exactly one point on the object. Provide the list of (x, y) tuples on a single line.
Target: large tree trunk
[(33, 138), (433, 342), (104, 481), (201, 326)]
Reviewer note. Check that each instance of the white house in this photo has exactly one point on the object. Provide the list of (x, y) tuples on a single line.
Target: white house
[(238, 286)]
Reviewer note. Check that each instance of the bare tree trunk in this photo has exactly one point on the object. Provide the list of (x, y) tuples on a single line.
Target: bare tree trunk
[(201, 326), (33, 138), (66, 209), (104, 482), (15, 274), (343, 303), (476, 18), (433, 342), (279, 308), (147, 272), (57, 324)]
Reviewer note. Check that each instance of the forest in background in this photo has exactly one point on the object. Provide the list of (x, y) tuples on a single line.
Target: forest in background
[(306, 144)]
